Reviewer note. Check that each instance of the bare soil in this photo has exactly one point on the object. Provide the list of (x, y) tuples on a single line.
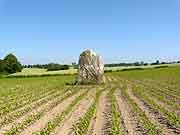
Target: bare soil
[(99, 121), (130, 120)]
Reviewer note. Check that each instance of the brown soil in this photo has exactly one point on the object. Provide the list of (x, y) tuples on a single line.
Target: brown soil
[(130, 120), (98, 123), (115, 79), (109, 79), (167, 107)]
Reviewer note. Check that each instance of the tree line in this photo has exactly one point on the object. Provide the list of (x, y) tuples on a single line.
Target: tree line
[(49, 67), (55, 66), (139, 64), (10, 64)]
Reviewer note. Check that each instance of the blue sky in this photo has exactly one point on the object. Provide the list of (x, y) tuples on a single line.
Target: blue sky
[(43, 31)]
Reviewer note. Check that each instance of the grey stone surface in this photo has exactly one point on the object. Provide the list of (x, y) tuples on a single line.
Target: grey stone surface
[(91, 68)]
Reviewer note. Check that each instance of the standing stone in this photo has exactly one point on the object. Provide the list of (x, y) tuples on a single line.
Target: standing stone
[(91, 68)]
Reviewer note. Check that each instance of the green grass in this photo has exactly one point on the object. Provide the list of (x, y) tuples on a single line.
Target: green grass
[(29, 72), (163, 75)]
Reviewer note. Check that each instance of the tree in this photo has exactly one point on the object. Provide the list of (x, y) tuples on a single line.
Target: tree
[(146, 64), (1, 66), (54, 67), (137, 64), (12, 65), (142, 63), (157, 62)]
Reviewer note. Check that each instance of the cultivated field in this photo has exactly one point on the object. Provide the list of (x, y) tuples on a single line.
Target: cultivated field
[(40, 72), (144, 102), (43, 72)]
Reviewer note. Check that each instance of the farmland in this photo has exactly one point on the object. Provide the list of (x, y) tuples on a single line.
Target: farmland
[(26, 72), (137, 102)]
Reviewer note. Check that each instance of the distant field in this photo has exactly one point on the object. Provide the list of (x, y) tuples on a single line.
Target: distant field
[(40, 72), (143, 67), (137, 102)]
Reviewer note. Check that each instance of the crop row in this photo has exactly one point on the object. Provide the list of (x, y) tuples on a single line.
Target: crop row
[(81, 127), (18, 96), (161, 91), (173, 119), (60, 117), (15, 115), (37, 115), (14, 90), (173, 89), (151, 128), (160, 96), (115, 115), (15, 94), (12, 106)]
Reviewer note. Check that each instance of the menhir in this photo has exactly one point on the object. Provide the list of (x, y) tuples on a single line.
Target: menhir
[(91, 68)]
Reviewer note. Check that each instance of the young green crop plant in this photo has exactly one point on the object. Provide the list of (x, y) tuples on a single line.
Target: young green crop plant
[(81, 127)]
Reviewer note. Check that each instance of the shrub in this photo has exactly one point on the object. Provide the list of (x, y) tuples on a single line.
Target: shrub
[(10, 64), (106, 71), (1, 66), (161, 67), (55, 67), (130, 69)]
